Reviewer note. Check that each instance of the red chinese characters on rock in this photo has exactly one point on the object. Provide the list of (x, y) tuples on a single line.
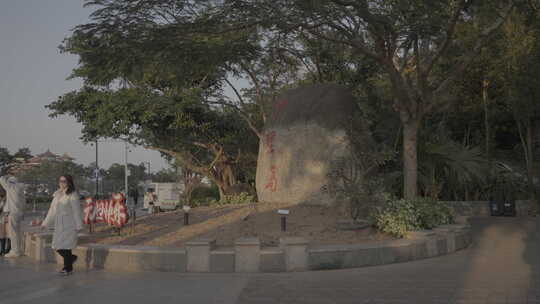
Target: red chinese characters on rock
[(113, 211), (279, 107), (272, 183), (269, 141)]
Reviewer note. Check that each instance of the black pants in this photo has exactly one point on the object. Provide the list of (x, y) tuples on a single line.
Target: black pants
[(68, 258)]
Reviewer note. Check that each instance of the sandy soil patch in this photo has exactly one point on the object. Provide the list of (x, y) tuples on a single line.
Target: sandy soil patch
[(227, 223)]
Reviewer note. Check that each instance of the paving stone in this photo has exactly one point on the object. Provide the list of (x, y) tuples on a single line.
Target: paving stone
[(501, 266), (222, 261), (247, 254)]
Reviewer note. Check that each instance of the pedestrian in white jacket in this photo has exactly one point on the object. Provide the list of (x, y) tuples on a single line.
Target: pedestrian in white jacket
[(66, 218), (3, 224), (13, 208)]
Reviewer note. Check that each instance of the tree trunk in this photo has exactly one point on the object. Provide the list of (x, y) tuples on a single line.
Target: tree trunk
[(526, 143), (224, 177), (485, 85), (530, 158), (191, 181), (221, 171), (410, 159)]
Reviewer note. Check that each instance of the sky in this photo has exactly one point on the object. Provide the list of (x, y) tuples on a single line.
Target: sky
[(33, 74)]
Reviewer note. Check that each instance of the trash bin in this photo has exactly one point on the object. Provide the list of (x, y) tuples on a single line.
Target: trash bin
[(509, 208), (496, 208)]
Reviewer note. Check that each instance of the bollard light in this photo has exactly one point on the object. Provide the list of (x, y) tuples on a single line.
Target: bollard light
[(186, 209), (283, 214)]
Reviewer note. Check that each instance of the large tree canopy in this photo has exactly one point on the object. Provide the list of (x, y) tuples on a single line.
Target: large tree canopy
[(155, 73), (415, 43), (151, 70)]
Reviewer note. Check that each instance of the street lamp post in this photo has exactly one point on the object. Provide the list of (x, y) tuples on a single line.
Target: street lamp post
[(126, 169), (148, 173), (96, 171), (125, 166)]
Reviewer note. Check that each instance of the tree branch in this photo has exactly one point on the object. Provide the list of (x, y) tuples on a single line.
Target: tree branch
[(356, 43), (469, 56), (216, 159), (258, 88), (449, 35), (182, 158), (242, 114), (300, 57)]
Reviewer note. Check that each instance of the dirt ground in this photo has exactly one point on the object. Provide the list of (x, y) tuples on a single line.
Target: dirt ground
[(227, 223)]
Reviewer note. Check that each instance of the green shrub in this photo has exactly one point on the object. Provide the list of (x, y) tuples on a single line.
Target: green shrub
[(234, 199), (398, 217), (209, 196), (433, 213), (203, 195)]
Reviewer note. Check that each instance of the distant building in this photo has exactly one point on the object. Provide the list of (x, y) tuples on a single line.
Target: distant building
[(20, 164)]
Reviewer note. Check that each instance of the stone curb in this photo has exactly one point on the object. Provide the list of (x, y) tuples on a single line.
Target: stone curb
[(293, 253)]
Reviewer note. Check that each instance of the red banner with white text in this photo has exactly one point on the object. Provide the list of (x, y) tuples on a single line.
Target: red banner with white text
[(113, 211)]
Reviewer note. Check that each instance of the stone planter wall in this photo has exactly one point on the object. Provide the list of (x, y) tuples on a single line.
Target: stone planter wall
[(293, 254), (481, 208)]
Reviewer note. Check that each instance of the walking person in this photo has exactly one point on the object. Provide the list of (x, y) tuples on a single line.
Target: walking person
[(3, 224), (13, 210), (66, 218), (134, 193), (149, 200)]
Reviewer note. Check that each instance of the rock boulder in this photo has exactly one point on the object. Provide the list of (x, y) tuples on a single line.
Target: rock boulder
[(305, 132)]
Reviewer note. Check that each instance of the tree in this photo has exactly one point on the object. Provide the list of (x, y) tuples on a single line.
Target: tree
[(448, 169), (153, 73), (23, 153), (414, 42), (520, 71), (166, 175), (5, 160), (48, 172), (137, 174), (114, 177)]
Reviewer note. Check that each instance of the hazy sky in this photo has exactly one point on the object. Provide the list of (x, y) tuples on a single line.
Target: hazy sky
[(33, 74)]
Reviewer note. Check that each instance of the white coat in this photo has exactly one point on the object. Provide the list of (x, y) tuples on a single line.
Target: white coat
[(65, 214), (15, 199), (148, 198)]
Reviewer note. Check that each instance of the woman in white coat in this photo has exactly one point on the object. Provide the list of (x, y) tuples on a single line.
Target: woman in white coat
[(65, 214), (3, 224)]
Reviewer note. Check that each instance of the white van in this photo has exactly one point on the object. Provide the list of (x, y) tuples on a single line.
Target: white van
[(166, 195)]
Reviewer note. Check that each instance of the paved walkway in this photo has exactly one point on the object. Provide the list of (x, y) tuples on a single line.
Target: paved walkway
[(502, 266)]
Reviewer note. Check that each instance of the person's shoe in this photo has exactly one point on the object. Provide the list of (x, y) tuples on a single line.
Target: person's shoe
[(12, 255), (8, 246), (64, 272)]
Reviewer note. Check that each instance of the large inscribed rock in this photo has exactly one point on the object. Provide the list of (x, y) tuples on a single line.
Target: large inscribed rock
[(305, 132)]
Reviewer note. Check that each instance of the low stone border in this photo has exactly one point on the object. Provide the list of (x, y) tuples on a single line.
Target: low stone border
[(293, 254), (481, 208)]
